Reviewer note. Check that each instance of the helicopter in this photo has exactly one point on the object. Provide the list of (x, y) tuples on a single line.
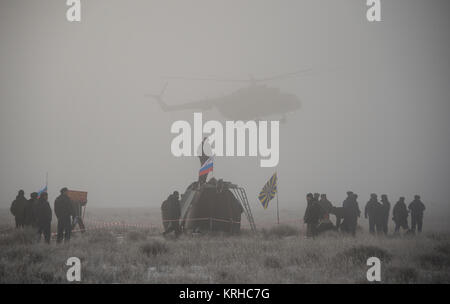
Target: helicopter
[(253, 101)]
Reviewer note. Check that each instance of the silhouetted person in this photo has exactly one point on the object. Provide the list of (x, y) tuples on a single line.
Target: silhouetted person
[(386, 208), (344, 224), (312, 215), (165, 213), (351, 213), (326, 207), (63, 212), (325, 203), (316, 196), (400, 215), (373, 211), (171, 214), (417, 208), (35, 206), (43, 217), (18, 209), (29, 219)]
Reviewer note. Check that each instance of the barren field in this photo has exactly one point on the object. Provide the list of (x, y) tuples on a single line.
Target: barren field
[(126, 246)]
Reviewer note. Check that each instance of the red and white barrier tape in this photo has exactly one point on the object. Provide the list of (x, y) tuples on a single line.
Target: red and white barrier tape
[(102, 224)]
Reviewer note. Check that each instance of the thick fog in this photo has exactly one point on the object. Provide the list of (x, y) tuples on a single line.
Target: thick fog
[(74, 97)]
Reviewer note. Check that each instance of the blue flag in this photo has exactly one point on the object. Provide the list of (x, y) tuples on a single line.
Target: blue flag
[(44, 189)]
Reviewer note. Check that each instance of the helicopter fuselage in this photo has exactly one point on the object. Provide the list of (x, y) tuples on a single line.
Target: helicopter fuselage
[(256, 101)]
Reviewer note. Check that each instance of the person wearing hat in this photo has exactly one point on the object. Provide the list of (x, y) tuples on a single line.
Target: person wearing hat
[(386, 208), (324, 221), (63, 212), (18, 208), (344, 225), (29, 219), (351, 213), (372, 211), (400, 215), (417, 208), (43, 216), (325, 203), (316, 196), (312, 216)]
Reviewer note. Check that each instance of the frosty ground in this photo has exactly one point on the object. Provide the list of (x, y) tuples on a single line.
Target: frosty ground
[(121, 253)]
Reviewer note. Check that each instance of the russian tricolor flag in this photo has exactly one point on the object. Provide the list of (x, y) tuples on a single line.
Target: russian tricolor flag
[(207, 167)]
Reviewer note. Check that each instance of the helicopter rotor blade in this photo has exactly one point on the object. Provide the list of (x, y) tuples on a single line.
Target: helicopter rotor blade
[(207, 79), (285, 75), (251, 79)]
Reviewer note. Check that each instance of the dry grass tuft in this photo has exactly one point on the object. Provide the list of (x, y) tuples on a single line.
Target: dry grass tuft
[(402, 275), (229, 276), (100, 237), (434, 260), (279, 231), (443, 248), (154, 248), (278, 255), (272, 262), (135, 236), (360, 254), (19, 237)]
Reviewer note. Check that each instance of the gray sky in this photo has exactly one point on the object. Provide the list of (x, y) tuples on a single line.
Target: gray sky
[(373, 116)]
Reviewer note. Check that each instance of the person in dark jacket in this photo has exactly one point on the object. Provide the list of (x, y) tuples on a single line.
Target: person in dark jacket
[(316, 196), (325, 203), (165, 213), (312, 215), (324, 221), (373, 212), (43, 217), (63, 212), (18, 209), (386, 208), (417, 208), (400, 215), (171, 214), (344, 211), (351, 213), (29, 219), (35, 211)]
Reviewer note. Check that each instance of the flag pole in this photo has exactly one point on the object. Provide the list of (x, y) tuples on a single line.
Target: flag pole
[(278, 211), (212, 172)]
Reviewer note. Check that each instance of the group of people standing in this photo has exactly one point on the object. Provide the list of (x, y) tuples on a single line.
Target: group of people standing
[(34, 212), (378, 214), (319, 209), (37, 213)]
